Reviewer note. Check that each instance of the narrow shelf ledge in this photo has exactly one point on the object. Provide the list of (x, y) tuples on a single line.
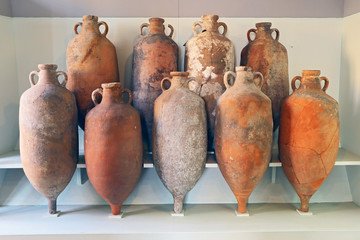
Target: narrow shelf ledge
[(11, 160), (155, 220)]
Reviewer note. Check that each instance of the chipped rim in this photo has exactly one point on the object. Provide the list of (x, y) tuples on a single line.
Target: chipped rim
[(184, 74), (243, 68), (263, 25), (111, 85), (156, 19), (210, 17), (44, 66), (90, 17), (311, 72)]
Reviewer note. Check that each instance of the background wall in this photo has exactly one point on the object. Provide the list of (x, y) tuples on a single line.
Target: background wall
[(9, 98), (351, 7), (350, 84), (350, 97), (179, 8), (5, 8)]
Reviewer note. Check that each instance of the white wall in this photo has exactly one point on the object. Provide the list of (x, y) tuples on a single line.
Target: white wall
[(350, 97), (351, 7), (9, 99), (350, 85), (179, 8), (5, 8), (44, 40)]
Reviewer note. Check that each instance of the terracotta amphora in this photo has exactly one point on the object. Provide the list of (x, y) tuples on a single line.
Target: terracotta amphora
[(308, 135), (179, 137), (243, 133), (48, 133), (209, 54), (155, 56), (91, 60), (113, 145), (268, 56)]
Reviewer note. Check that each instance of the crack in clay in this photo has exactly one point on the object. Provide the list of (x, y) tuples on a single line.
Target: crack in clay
[(331, 140), (327, 149), (288, 145), (297, 121), (323, 164), (319, 154), (297, 179)]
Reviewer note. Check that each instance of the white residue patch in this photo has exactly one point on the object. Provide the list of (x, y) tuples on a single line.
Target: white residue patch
[(193, 57), (195, 49), (208, 73), (211, 88)]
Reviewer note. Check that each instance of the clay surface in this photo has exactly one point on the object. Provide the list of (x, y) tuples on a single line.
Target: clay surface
[(48, 133), (308, 135), (155, 56), (91, 60), (268, 56), (179, 137), (113, 145), (209, 55), (243, 133)]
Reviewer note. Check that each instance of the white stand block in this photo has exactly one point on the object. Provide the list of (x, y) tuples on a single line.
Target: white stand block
[(182, 214), (55, 215), (304, 213), (119, 216), (242, 214)]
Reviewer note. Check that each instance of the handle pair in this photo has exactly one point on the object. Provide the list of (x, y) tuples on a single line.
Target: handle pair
[(293, 83), (188, 81), (257, 75), (199, 23), (147, 25), (36, 73), (99, 24), (99, 91), (254, 31)]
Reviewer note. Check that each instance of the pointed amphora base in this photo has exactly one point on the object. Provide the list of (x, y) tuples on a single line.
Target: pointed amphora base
[(304, 211), (52, 208), (242, 210), (305, 203), (178, 207), (116, 211)]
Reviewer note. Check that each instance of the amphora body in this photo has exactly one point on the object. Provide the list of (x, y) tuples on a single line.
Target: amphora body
[(267, 55), (48, 133), (308, 135), (179, 137), (155, 56), (91, 60), (243, 133), (209, 54), (113, 145)]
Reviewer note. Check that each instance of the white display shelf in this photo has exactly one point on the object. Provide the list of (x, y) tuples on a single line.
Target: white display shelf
[(344, 158), (205, 221)]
